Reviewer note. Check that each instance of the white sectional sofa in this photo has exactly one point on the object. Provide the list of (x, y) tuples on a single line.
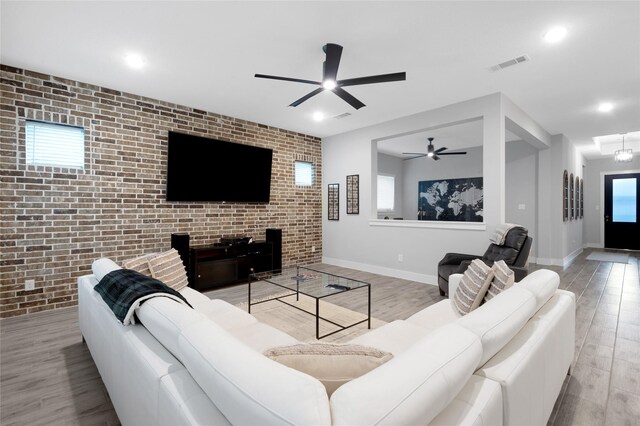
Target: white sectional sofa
[(503, 363)]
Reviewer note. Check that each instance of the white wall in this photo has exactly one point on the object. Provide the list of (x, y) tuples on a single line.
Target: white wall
[(521, 188), (363, 242), (390, 165), (448, 167), (593, 186)]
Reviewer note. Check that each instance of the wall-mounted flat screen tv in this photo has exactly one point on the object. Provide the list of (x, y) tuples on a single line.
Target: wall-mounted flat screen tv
[(203, 169)]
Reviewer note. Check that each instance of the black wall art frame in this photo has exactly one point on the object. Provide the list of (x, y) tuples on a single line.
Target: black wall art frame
[(353, 194), (334, 201)]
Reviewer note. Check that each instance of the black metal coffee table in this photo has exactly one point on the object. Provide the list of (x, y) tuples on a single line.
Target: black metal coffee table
[(312, 283)]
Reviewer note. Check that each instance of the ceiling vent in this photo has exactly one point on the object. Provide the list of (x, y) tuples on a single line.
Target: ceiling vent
[(510, 63), (346, 114)]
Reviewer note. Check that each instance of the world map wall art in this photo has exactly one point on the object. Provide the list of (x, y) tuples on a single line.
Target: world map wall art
[(451, 200)]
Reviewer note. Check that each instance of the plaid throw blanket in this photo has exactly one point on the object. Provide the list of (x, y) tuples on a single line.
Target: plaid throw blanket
[(123, 290)]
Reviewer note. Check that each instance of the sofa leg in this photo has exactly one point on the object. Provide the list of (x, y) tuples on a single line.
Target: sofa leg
[(441, 291), (569, 371), (83, 340)]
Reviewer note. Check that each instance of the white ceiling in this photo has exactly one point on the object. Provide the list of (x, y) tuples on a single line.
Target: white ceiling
[(204, 55)]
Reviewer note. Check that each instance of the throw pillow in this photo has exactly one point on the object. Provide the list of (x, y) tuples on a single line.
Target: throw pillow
[(473, 286), (334, 365), (140, 264), (503, 278), (168, 268)]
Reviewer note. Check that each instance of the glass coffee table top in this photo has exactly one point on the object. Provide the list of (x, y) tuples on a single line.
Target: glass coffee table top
[(310, 282)]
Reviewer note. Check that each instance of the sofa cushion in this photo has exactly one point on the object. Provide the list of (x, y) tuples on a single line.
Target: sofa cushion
[(395, 337), (260, 336), (194, 297), (334, 365), (542, 283), (435, 316), (102, 267), (226, 315), (168, 268), (164, 318), (498, 320), (473, 286), (247, 387), (503, 278), (414, 386), (140, 263), (478, 403)]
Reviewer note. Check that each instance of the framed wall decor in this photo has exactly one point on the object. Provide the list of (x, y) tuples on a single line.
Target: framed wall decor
[(460, 200), (571, 200), (565, 196), (353, 194), (334, 201), (581, 198), (577, 198)]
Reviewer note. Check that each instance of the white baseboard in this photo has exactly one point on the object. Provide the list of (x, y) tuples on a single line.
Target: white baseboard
[(568, 259), (594, 245), (381, 270)]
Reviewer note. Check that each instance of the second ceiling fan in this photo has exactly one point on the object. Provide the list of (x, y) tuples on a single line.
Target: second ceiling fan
[(329, 78), (432, 152)]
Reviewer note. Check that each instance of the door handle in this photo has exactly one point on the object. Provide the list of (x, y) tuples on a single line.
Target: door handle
[(606, 218)]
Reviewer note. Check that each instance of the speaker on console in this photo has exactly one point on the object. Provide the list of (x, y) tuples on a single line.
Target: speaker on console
[(180, 242), (275, 237)]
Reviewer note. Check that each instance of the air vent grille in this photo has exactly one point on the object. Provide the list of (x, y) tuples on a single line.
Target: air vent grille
[(343, 115), (510, 63)]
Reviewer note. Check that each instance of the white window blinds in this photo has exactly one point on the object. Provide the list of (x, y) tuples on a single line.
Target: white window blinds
[(386, 193), (304, 173), (57, 145)]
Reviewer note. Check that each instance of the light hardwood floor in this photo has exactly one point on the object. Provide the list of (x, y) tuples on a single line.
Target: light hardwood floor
[(47, 375)]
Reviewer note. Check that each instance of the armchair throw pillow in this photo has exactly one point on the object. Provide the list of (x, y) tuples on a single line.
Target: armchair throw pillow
[(168, 268), (473, 286), (503, 278), (334, 365)]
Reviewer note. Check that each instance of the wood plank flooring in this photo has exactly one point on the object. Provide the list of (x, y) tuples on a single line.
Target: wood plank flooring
[(47, 375)]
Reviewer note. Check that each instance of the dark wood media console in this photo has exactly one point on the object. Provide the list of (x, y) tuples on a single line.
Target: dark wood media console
[(216, 266)]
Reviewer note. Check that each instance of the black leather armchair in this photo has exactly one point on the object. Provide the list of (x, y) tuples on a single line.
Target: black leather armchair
[(514, 252)]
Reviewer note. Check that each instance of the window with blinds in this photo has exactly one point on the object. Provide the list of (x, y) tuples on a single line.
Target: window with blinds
[(386, 193), (304, 173), (57, 145)]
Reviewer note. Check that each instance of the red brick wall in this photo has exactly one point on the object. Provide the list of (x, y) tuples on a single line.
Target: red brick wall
[(55, 221)]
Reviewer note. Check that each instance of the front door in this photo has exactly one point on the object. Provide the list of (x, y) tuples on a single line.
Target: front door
[(621, 209)]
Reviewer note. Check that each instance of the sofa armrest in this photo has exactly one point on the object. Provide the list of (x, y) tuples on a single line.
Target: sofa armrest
[(457, 258), (454, 280)]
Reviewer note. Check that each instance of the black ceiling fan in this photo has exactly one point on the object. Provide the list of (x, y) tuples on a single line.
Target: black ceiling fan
[(432, 153), (330, 82)]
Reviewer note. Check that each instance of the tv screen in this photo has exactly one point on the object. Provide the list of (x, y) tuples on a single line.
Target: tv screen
[(203, 169)]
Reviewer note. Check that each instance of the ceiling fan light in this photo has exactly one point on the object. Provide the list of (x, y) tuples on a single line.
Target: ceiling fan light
[(329, 84), (430, 154)]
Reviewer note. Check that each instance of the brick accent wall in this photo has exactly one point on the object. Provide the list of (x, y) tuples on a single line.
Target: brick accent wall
[(55, 221)]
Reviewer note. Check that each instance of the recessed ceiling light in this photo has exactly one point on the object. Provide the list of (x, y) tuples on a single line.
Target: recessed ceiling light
[(555, 34), (318, 116), (329, 84), (134, 60), (605, 107)]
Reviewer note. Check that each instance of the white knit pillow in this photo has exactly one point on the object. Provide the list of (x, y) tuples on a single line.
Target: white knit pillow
[(473, 286), (332, 364), (168, 268), (139, 264), (503, 278)]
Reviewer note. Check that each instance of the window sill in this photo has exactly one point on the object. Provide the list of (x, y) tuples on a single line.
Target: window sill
[(471, 226)]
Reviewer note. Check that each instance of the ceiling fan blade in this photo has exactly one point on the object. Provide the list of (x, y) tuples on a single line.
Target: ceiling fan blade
[(415, 156), (382, 78), (452, 153), (435, 157), (414, 153), (305, 97), (439, 150), (297, 80), (330, 65), (348, 98)]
